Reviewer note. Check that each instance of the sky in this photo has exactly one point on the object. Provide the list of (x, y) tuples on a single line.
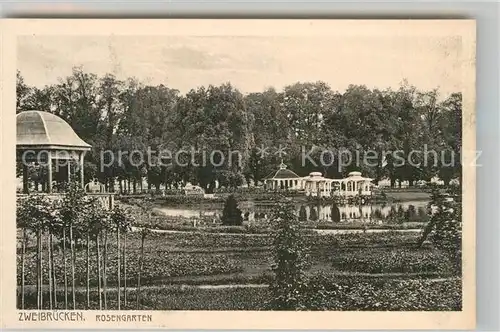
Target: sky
[(250, 63)]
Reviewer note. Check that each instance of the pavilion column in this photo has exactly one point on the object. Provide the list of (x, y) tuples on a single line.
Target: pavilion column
[(25, 178), (82, 177), (68, 164), (49, 174)]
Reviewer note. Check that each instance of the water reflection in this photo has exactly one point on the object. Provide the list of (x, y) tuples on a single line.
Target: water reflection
[(410, 211)]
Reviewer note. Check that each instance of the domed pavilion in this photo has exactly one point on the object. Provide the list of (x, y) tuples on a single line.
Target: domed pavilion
[(44, 138)]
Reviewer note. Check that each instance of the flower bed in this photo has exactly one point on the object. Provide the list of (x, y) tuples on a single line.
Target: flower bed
[(392, 260), (385, 295), (158, 264)]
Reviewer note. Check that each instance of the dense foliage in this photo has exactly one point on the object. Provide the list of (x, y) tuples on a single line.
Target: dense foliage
[(128, 115)]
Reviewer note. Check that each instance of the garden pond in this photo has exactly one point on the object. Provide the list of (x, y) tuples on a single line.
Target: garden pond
[(410, 210)]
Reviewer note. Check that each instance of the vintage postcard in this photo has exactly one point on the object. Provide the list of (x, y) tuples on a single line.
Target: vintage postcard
[(238, 174)]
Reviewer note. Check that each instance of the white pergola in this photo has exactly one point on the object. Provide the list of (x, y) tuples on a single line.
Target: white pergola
[(317, 185), (355, 185)]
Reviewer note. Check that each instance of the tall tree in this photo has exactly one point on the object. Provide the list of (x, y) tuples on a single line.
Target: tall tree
[(22, 91), (290, 261)]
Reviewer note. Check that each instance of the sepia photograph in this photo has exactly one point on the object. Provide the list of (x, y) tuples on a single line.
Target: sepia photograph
[(318, 166)]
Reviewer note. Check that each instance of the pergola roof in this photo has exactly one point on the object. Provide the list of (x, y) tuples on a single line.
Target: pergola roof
[(317, 177), (356, 176), (43, 130)]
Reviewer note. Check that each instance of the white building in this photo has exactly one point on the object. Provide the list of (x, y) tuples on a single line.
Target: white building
[(316, 185), (354, 185), (283, 179)]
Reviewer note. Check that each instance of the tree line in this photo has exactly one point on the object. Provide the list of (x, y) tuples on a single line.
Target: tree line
[(128, 115)]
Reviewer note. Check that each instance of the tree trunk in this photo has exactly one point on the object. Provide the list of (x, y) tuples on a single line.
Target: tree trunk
[(120, 186), (99, 293), (118, 264), (141, 262), (88, 270), (104, 273), (72, 252), (41, 269), (125, 270), (23, 255), (38, 269), (141, 185), (134, 185), (65, 270), (54, 279), (49, 255)]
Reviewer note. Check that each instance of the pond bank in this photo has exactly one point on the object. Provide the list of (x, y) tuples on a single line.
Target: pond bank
[(318, 231)]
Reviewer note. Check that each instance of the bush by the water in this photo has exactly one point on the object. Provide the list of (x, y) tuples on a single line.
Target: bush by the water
[(231, 215)]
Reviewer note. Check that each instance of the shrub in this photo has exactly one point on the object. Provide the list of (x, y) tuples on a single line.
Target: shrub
[(335, 213), (313, 214), (302, 213), (231, 215)]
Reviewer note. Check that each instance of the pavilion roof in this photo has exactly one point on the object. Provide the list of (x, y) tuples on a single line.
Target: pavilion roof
[(282, 173), (38, 129)]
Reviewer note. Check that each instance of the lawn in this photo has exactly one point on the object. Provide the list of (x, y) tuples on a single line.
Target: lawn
[(410, 195)]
